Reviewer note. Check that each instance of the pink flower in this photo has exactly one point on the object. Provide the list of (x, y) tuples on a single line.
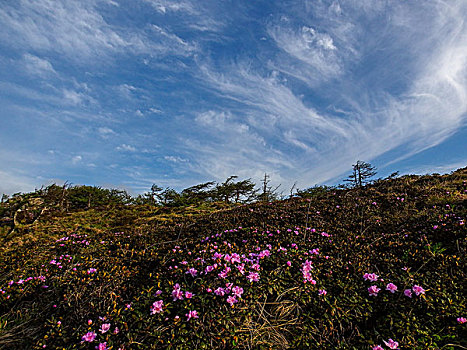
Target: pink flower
[(188, 295), (219, 291), (89, 337), (377, 347), (418, 290), (241, 268), (253, 277), (177, 294), (192, 314), (391, 287), (322, 292), (391, 344), (235, 258), (289, 263), (255, 267), (91, 270), (116, 330), (224, 272), (461, 320), (238, 291), (104, 328), (408, 293), (370, 277), (156, 307), (192, 272), (102, 346), (373, 290), (232, 300)]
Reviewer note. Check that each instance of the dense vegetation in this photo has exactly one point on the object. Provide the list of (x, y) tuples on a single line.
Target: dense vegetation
[(377, 264)]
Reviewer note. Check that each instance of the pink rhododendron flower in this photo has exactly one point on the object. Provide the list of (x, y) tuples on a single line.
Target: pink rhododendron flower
[(370, 277), (102, 346), (253, 277), (377, 347), (322, 292), (235, 258), (91, 270), (157, 307), (238, 291), (188, 295), (408, 293), (391, 287), (461, 320), (177, 294), (241, 268), (231, 300), (104, 328), (391, 344), (255, 267), (373, 290), (192, 314), (219, 291), (192, 271), (418, 290), (89, 337), (289, 263), (224, 272)]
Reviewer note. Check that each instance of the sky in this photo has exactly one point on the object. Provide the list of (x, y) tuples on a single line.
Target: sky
[(130, 93)]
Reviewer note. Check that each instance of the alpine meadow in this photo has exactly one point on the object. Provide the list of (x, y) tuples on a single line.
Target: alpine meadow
[(233, 174)]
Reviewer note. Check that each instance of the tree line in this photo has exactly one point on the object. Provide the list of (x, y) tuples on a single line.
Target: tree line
[(68, 197)]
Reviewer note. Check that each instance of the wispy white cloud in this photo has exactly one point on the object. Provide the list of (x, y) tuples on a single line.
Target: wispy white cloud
[(197, 14), (125, 147), (229, 146), (432, 108), (75, 97), (106, 132), (38, 66), (76, 159), (300, 90), (79, 31), (440, 169), (164, 6), (14, 182), (314, 50), (176, 159)]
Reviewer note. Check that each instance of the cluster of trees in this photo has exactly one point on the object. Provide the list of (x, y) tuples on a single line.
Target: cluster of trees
[(69, 198), (229, 191), (232, 190)]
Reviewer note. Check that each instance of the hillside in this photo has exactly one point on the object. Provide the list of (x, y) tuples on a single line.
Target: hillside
[(342, 269)]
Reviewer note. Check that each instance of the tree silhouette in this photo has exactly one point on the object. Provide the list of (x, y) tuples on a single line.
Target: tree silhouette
[(362, 171)]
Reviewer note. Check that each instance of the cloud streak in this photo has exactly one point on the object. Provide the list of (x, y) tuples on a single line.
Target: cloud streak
[(184, 91), (431, 109), (79, 31)]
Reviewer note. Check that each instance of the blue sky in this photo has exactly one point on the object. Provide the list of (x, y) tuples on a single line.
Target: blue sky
[(125, 94)]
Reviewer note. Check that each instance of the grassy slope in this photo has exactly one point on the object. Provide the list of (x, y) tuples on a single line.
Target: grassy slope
[(409, 231)]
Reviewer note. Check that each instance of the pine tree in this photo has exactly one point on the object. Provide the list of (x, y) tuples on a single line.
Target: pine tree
[(362, 171)]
